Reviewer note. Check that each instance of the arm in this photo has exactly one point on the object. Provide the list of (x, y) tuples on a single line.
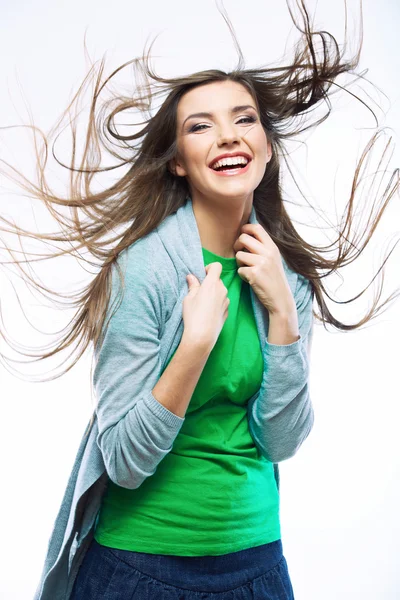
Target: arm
[(281, 414), (136, 431), (175, 387)]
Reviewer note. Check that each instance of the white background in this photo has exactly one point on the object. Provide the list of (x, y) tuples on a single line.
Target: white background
[(340, 493)]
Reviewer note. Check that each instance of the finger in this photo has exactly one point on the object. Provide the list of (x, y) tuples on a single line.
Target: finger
[(256, 230), (247, 259), (246, 241), (192, 281), (214, 270)]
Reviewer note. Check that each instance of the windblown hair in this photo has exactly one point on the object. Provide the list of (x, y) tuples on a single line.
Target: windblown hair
[(148, 192)]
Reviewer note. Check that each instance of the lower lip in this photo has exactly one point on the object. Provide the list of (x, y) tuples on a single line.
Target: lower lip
[(232, 172)]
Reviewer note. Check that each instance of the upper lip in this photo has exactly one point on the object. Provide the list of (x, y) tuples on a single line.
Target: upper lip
[(230, 155)]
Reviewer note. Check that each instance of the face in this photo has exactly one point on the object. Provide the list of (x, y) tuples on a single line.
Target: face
[(201, 139)]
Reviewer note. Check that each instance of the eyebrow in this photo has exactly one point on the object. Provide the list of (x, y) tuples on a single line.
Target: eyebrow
[(234, 110)]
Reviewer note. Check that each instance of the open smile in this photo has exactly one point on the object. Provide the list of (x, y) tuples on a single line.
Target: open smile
[(231, 172)]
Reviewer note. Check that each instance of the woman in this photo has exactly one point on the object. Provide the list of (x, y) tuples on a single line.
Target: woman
[(202, 363)]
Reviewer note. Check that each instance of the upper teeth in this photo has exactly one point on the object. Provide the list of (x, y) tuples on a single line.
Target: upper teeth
[(236, 160)]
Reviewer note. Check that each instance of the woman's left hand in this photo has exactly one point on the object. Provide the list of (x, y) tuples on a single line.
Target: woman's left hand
[(263, 269)]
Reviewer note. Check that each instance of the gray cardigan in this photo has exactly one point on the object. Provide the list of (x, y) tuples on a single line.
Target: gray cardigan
[(132, 431)]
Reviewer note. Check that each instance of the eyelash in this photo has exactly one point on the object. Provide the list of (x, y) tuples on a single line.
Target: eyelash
[(252, 120)]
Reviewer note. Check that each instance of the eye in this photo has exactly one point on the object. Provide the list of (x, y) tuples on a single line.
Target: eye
[(249, 120)]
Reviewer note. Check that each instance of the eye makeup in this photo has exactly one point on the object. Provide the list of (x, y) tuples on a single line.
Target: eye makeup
[(195, 127)]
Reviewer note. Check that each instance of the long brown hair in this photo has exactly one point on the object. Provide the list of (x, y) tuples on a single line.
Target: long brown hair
[(106, 222)]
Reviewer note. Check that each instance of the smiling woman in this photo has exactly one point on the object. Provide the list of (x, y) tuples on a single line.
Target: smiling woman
[(224, 144), (202, 362)]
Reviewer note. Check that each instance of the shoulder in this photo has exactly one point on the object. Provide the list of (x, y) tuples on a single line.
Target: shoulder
[(148, 274)]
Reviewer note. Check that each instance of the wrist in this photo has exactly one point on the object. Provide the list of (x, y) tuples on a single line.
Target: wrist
[(283, 328), (285, 309), (195, 347)]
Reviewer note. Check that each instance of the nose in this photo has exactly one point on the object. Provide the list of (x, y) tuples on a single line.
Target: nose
[(227, 134)]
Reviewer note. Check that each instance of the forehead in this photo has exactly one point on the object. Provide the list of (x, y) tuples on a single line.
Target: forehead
[(213, 97)]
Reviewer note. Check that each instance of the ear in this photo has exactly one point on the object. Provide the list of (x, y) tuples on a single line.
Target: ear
[(176, 168), (269, 151)]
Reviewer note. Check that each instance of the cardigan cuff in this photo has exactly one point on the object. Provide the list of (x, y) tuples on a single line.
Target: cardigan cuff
[(159, 410), (283, 349)]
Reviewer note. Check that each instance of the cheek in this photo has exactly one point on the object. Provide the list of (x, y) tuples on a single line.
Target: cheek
[(258, 142), (196, 154), (261, 142)]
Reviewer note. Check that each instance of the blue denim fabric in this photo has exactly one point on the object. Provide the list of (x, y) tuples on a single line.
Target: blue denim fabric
[(258, 573)]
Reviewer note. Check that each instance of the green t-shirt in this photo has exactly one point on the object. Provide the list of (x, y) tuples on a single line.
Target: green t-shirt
[(213, 493)]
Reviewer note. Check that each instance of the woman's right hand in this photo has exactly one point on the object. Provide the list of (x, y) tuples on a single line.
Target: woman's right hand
[(205, 307)]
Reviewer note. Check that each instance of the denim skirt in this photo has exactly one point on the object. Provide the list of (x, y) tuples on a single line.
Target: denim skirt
[(258, 573)]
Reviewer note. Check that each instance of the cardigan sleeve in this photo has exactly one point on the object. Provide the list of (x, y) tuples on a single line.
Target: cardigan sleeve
[(135, 430), (281, 415)]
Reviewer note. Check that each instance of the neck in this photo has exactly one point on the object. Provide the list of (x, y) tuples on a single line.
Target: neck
[(219, 225)]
